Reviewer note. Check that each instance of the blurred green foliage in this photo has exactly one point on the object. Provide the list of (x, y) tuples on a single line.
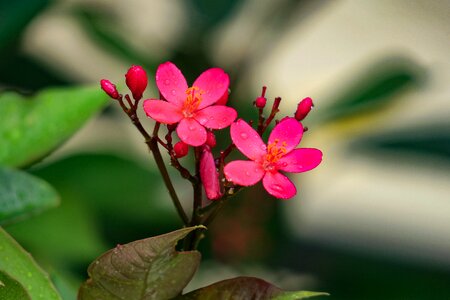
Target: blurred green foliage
[(31, 129), (107, 199), (22, 194)]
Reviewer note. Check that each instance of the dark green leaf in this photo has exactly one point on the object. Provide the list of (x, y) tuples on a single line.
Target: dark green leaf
[(15, 15), (31, 128), (19, 265), (246, 288), (146, 269), (71, 219), (22, 194), (128, 197), (11, 289), (373, 87)]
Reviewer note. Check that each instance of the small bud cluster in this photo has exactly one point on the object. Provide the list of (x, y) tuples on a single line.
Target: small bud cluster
[(136, 80)]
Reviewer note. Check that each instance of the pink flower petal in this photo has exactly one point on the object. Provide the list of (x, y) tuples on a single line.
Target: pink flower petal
[(300, 160), (191, 132), (162, 111), (214, 83), (247, 140), (171, 83), (209, 174), (243, 172), (224, 99), (279, 185), (216, 116), (288, 132)]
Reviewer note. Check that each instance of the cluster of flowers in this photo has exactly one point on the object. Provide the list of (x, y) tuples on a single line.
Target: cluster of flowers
[(195, 112)]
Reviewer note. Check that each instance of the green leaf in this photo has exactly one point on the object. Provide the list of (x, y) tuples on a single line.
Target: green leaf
[(11, 289), (15, 15), (22, 194), (31, 128), (19, 265), (146, 269), (245, 288), (373, 88)]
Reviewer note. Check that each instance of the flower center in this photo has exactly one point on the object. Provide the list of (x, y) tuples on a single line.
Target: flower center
[(274, 153), (193, 100)]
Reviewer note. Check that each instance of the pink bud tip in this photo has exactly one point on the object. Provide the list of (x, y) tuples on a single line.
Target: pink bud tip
[(210, 139), (109, 88), (260, 102), (209, 174), (136, 80), (181, 149), (303, 108)]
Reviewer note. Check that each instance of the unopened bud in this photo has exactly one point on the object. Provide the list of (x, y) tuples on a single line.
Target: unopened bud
[(181, 149), (210, 139), (136, 80), (261, 101), (303, 109), (109, 88)]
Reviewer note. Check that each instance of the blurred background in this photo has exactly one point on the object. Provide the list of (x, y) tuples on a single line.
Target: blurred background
[(372, 222)]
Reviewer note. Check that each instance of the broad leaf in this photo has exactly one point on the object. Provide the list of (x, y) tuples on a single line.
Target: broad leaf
[(246, 288), (22, 194), (11, 289), (146, 269), (18, 264), (31, 128)]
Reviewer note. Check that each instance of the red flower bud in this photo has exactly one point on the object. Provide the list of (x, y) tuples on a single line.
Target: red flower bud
[(181, 149), (303, 108), (260, 102), (209, 174), (109, 88), (136, 80), (210, 139)]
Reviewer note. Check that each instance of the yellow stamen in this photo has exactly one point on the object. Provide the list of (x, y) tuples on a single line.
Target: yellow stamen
[(193, 100), (275, 152)]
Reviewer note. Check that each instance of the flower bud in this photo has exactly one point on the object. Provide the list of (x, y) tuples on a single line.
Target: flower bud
[(136, 80), (109, 88), (260, 102), (303, 108), (209, 174), (210, 139), (181, 149)]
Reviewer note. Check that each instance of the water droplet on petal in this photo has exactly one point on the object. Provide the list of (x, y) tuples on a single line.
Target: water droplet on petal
[(167, 82), (284, 164), (192, 128), (244, 135), (277, 187), (174, 92), (263, 147), (247, 173)]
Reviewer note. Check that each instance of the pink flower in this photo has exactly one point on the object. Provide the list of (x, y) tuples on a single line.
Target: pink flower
[(191, 107), (209, 174), (266, 161)]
